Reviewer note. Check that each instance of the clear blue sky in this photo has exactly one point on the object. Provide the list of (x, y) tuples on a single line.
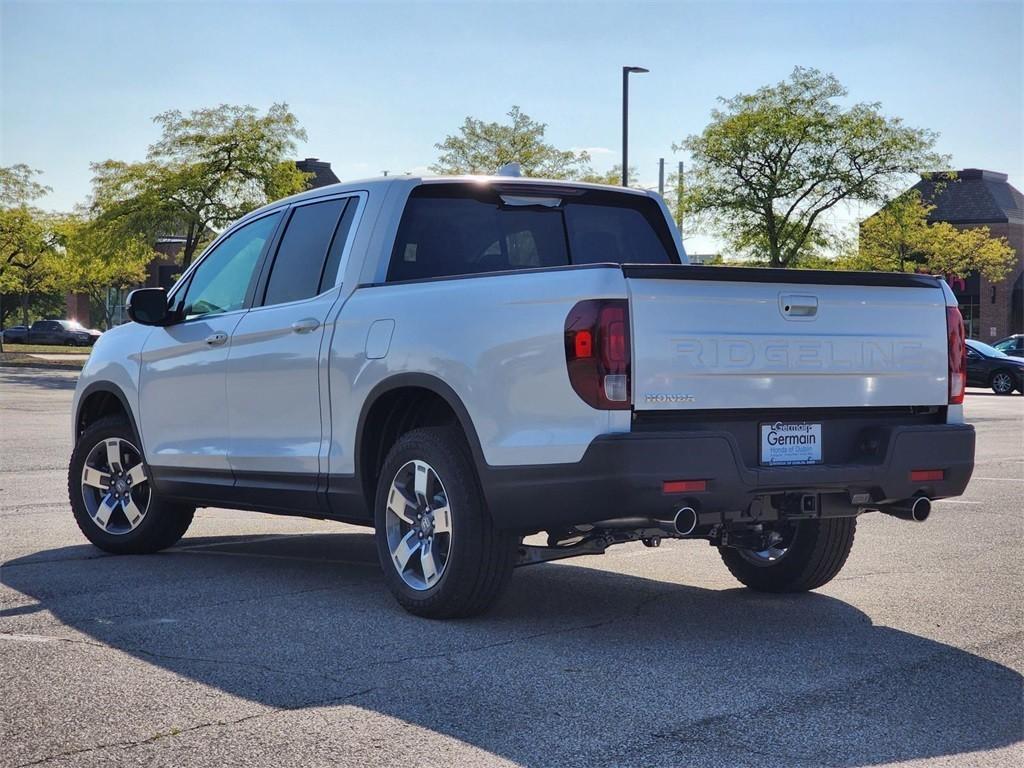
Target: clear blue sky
[(376, 85)]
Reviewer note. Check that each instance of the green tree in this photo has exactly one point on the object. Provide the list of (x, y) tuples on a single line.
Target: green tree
[(899, 238), (772, 162), (25, 236), (481, 147), (37, 277), (18, 186), (613, 176), (208, 168), (962, 251), (94, 258)]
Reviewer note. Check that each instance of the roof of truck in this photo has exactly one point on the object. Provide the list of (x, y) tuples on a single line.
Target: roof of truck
[(384, 181)]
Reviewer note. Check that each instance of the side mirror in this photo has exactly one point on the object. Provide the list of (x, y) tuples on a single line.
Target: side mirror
[(148, 306)]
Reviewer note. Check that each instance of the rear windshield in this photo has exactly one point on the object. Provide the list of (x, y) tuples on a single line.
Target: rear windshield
[(459, 229)]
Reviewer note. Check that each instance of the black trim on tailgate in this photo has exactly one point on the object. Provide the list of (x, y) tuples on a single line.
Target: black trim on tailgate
[(772, 275)]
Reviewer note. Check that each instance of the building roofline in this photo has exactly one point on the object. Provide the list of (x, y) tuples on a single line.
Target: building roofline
[(965, 173)]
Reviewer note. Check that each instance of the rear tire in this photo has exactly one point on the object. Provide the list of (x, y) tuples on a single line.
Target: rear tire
[(151, 525), (817, 553), (461, 563)]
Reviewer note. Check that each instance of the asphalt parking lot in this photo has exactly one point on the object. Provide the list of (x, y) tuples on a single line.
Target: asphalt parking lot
[(269, 641)]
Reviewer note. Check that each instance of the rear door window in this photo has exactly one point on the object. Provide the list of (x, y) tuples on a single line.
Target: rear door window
[(330, 275), (458, 229), (298, 269)]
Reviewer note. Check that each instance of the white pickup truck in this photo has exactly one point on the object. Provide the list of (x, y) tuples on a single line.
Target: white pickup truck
[(462, 363)]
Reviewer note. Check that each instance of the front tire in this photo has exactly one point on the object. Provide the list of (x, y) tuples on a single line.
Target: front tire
[(440, 553), (112, 498), (1002, 383), (814, 552)]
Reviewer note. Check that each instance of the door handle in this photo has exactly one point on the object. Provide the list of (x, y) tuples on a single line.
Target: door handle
[(216, 339), (306, 325)]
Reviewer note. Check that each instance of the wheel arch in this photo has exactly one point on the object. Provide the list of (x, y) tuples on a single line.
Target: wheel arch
[(99, 399), (1014, 376), (396, 405)]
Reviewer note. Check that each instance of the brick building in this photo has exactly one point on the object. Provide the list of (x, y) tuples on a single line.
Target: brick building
[(978, 198), (164, 269)]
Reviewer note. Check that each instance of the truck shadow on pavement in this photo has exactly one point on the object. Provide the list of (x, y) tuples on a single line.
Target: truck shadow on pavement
[(575, 666)]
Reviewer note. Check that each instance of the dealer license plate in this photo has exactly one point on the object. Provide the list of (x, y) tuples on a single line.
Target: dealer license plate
[(790, 443)]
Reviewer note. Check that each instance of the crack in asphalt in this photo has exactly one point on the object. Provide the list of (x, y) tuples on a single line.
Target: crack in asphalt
[(715, 730), (159, 656), (329, 701), (195, 607), (631, 613), (300, 673), (174, 733)]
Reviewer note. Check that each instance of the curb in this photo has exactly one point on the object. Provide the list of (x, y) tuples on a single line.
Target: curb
[(38, 366)]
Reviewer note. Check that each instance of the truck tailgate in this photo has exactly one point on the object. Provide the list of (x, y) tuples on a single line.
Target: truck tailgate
[(735, 337)]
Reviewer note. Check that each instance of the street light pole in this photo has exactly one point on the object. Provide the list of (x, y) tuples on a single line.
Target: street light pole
[(679, 198), (625, 119)]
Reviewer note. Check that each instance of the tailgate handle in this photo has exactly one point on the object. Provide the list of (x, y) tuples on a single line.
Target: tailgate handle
[(797, 306)]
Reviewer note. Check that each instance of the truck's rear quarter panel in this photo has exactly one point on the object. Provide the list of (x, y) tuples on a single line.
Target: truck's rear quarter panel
[(497, 341)]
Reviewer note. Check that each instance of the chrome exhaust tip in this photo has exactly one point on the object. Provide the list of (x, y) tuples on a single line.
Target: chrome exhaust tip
[(917, 509), (920, 509), (685, 521)]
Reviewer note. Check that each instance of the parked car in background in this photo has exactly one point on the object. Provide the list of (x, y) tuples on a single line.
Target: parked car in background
[(16, 334), (1011, 345), (989, 367), (69, 333)]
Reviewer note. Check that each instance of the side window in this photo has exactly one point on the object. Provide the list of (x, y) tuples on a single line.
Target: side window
[(221, 281), (304, 253), (442, 235), (330, 275)]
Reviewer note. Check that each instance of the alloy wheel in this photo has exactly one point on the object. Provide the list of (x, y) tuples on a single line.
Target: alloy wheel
[(1002, 383), (115, 488), (419, 525)]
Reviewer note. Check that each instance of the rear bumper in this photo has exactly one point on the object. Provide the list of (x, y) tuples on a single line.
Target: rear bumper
[(622, 475)]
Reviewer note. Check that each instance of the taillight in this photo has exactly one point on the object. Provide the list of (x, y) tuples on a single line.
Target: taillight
[(957, 355), (597, 352)]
